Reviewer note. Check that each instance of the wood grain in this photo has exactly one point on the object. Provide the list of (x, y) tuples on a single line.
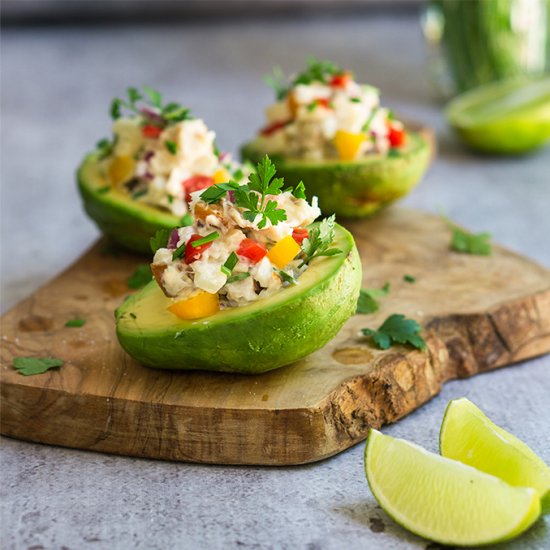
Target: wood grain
[(479, 313)]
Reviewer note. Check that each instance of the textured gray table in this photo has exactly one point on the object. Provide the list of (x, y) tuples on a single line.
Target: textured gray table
[(56, 87)]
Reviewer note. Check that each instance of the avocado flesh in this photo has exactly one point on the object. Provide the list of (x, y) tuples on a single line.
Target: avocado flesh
[(127, 222), (355, 189), (264, 335)]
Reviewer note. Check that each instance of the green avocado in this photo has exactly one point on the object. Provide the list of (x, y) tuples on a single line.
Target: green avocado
[(354, 189), (126, 221), (252, 339)]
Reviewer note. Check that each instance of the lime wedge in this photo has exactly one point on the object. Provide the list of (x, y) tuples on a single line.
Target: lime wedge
[(509, 116), (444, 500), (469, 436)]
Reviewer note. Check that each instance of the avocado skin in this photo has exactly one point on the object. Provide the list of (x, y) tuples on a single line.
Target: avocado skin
[(263, 336), (353, 189), (127, 222)]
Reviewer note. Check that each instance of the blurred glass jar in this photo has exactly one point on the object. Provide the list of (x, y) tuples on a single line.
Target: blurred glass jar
[(471, 42)]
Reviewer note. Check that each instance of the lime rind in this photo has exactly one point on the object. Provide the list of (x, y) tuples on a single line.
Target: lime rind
[(469, 436), (505, 117), (444, 500)]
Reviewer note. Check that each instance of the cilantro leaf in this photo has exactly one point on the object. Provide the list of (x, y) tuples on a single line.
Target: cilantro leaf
[(277, 81), (134, 95), (409, 279), (367, 302), (299, 191), (214, 193), (397, 329), (317, 71), (141, 276), (318, 243), (471, 243), (160, 239), (29, 366), (75, 322), (154, 96), (252, 197)]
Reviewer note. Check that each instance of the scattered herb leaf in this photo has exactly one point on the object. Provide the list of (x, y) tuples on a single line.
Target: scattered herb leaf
[(104, 147), (471, 243), (29, 366), (133, 315), (318, 243), (75, 322), (300, 191), (230, 264), (409, 279), (355, 99), (277, 81), (214, 193), (141, 276), (160, 239), (368, 299), (317, 71), (397, 329)]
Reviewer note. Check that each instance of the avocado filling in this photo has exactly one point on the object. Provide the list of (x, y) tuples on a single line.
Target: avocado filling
[(160, 154), (325, 114), (243, 242)]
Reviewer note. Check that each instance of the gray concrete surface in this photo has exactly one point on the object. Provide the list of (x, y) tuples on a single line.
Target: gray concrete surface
[(56, 87)]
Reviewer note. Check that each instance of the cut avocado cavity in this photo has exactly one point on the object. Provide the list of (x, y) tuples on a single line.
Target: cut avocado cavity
[(261, 336), (126, 221), (354, 189)]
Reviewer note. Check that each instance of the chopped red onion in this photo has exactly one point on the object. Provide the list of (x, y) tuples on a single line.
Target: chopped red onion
[(152, 115), (173, 240), (223, 156), (231, 196), (148, 156)]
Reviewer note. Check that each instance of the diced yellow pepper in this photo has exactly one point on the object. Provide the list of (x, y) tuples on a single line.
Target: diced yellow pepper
[(283, 252), (348, 144), (200, 305), (121, 169), (221, 176)]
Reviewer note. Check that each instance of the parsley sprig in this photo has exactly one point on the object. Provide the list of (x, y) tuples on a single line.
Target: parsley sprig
[(318, 243), (469, 243), (29, 366), (368, 299), (253, 197), (397, 329), (148, 104), (318, 70)]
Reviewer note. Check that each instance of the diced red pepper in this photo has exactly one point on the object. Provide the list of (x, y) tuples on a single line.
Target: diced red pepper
[(195, 183), (193, 253), (324, 102), (396, 136), (340, 80), (251, 249), (299, 234), (150, 131), (272, 128)]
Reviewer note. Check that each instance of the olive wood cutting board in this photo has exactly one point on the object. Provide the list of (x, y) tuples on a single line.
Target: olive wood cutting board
[(479, 313)]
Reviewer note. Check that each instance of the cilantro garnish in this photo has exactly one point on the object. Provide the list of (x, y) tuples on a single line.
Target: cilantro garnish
[(104, 147), (75, 322), (160, 239), (141, 276), (317, 71), (277, 81), (261, 181), (396, 329), (172, 147), (299, 191), (471, 243), (230, 263), (214, 193), (367, 302), (207, 239), (148, 105), (409, 279), (29, 366), (237, 277), (318, 243)]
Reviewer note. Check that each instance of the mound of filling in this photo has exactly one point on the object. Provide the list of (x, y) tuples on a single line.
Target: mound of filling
[(242, 243), (160, 154), (325, 114)]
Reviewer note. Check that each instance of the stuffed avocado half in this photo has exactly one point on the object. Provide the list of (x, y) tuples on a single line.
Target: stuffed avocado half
[(331, 132), (251, 283), (141, 180)]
